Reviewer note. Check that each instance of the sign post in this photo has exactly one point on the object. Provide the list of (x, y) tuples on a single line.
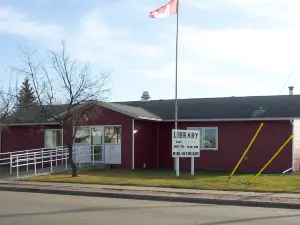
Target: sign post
[(192, 166), (186, 143)]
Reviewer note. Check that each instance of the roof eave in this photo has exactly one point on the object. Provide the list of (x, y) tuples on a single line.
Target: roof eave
[(30, 124), (107, 106), (148, 118), (234, 119)]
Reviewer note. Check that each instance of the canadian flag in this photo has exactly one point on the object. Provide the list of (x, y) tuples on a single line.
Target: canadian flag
[(165, 11)]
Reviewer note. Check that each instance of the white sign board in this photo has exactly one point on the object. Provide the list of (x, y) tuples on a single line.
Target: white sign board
[(185, 143)]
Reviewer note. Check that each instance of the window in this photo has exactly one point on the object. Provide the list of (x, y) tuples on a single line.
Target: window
[(53, 138), (112, 134), (208, 137), (82, 136), (97, 135)]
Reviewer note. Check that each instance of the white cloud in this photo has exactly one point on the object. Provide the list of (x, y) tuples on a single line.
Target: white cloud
[(270, 54), (97, 40), (255, 55), (193, 74), (265, 50), (285, 10), (203, 53), (17, 23)]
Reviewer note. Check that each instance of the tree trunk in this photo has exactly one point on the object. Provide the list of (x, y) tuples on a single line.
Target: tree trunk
[(73, 165)]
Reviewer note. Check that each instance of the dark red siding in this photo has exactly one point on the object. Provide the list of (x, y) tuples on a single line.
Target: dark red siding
[(18, 138), (233, 139), (145, 144)]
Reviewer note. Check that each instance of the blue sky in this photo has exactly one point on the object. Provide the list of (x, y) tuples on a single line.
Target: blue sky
[(226, 47)]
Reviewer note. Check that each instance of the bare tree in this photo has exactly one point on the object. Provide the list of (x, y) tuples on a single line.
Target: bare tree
[(66, 91), (8, 100)]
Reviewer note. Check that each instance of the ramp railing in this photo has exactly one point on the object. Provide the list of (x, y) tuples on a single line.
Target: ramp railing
[(6, 157), (44, 157)]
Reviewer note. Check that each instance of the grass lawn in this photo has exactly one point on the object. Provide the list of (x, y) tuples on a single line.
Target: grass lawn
[(166, 178)]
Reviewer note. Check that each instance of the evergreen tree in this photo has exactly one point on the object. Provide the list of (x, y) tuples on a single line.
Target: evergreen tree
[(26, 96)]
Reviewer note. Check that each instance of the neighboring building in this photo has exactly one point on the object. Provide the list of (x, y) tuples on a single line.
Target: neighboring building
[(139, 132)]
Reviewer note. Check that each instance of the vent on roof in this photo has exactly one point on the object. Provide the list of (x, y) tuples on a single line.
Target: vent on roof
[(291, 88), (258, 112), (145, 97)]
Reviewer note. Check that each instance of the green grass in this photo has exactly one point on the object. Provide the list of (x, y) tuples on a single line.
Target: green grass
[(166, 178)]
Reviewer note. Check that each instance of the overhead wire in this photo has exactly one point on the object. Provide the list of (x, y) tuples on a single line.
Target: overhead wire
[(287, 80)]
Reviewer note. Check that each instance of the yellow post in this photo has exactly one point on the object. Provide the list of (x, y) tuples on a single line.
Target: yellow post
[(246, 151), (278, 151)]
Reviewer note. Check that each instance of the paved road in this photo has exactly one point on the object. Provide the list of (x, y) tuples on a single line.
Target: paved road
[(35, 209)]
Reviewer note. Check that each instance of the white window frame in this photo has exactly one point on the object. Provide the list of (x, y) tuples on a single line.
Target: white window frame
[(202, 137), (45, 139)]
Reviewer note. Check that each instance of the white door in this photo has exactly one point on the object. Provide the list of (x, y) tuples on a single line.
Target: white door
[(82, 154), (112, 144), (96, 144), (112, 153), (82, 145)]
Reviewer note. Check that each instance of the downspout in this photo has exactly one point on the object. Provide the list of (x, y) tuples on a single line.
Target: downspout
[(132, 152), (157, 146), (293, 150), (62, 137), (0, 143)]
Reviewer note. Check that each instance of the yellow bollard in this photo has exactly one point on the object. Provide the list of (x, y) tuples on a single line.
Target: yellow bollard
[(278, 151), (246, 151)]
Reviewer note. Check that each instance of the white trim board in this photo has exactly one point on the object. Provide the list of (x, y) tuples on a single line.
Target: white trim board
[(132, 150), (202, 137), (233, 119)]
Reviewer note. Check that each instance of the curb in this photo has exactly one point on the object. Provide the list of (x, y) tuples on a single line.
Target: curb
[(155, 198)]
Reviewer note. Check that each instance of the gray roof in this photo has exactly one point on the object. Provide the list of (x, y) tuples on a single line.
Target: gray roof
[(277, 106), (33, 115)]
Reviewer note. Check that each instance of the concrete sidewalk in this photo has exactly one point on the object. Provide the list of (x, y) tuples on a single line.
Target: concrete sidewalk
[(273, 200)]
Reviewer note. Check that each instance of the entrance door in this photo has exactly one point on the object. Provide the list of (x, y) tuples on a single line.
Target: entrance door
[(96, 144)]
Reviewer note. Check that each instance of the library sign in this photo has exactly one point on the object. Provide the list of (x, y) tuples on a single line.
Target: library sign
[(185, 143)]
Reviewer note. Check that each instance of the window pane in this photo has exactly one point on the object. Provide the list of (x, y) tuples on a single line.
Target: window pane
[(200, 129), (50, 138), (112, 134), (96, 136), (82, 135), (209, 137), (59, 138)]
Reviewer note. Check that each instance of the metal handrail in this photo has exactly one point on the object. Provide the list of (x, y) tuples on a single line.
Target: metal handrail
[(6, 156), (32, 158), (53, 155)]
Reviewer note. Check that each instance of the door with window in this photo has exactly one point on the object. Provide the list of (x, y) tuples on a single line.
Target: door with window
[(96, 143)]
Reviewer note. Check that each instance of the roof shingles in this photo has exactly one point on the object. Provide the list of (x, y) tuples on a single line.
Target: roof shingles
[(277, 106)]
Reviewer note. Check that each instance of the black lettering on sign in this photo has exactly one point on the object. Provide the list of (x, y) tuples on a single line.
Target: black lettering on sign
[(188, 134)]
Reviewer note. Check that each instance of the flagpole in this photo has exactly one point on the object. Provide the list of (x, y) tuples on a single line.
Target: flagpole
[(176, 73)]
